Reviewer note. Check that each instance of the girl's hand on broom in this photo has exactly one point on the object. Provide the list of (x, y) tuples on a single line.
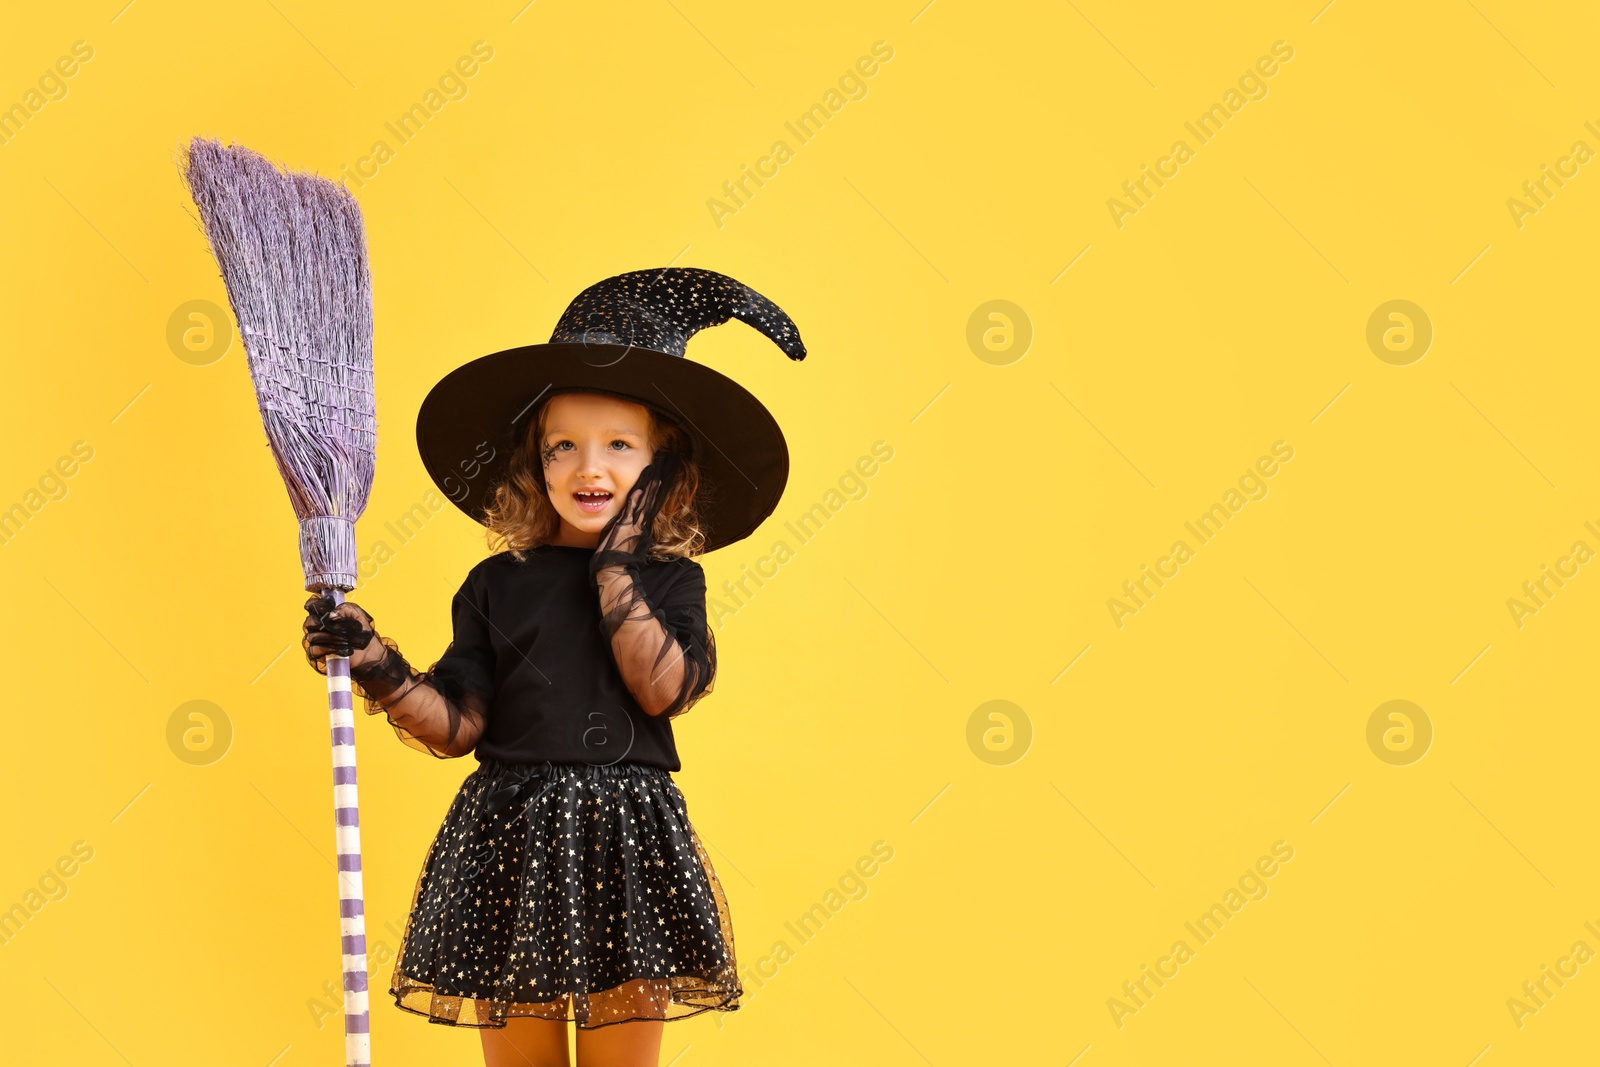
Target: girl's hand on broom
[(345, 630)]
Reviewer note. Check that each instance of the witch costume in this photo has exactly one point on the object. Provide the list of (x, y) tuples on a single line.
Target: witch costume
[(566, 881)]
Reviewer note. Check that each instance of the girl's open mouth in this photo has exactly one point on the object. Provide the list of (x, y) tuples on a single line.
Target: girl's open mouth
[(592, 503)]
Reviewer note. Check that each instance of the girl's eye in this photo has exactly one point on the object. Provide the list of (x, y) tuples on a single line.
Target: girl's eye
[(618, 441)]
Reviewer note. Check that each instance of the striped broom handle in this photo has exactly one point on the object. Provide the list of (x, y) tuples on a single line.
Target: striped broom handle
[(347, 830)]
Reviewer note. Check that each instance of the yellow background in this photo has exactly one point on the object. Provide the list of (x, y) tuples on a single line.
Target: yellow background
[(976, 565)]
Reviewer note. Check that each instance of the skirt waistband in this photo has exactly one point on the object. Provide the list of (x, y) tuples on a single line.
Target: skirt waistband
[(521, 784), (590, 771)]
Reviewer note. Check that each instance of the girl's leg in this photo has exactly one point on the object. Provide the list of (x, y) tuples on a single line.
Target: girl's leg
[(527, 1042), (631, 1044)]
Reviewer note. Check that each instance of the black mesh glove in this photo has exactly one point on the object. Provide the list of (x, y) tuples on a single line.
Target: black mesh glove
[(335, 631), (441, 712), (667, 662), (626, 539)]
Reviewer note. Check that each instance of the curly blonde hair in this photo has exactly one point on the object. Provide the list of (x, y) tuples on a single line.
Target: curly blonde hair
[(522, 517)]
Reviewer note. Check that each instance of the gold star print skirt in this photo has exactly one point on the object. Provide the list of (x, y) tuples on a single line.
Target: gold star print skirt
[(570, 892)]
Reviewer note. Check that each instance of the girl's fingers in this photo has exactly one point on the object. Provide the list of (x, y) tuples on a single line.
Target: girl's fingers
[(320, 645), (324, 651), (334, 630)]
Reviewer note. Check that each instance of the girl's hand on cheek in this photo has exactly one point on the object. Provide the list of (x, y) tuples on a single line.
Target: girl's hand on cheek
[(626, 538)]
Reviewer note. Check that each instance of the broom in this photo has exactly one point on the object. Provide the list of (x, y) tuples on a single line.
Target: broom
[(293, 254)]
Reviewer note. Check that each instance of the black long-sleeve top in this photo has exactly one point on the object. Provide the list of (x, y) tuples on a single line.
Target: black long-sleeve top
[(529, 645)]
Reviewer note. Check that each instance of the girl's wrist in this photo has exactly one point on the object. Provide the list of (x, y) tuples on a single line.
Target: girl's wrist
[(366, 657), (380, 668)]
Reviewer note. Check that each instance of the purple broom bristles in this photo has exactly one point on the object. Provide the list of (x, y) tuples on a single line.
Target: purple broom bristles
[(293, 254)]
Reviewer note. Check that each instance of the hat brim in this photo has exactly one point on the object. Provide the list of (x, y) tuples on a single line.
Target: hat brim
[(468, 424)]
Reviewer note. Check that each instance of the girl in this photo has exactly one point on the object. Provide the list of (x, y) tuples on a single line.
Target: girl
[(566, 882)]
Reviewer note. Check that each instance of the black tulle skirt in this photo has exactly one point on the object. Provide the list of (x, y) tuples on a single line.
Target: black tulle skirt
[(569, 892)]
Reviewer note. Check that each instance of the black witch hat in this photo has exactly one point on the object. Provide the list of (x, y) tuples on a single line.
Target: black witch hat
[(625, 337)]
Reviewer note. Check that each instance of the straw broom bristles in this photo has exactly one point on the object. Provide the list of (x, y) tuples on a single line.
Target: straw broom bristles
[(293, 254)]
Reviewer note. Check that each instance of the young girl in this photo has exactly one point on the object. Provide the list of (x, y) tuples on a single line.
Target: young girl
[(566, 882)]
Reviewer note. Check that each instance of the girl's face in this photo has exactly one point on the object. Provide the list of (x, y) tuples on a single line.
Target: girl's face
[(592, 442)]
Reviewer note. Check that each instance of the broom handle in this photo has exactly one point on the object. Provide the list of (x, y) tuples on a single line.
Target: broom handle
[(347, 831)]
